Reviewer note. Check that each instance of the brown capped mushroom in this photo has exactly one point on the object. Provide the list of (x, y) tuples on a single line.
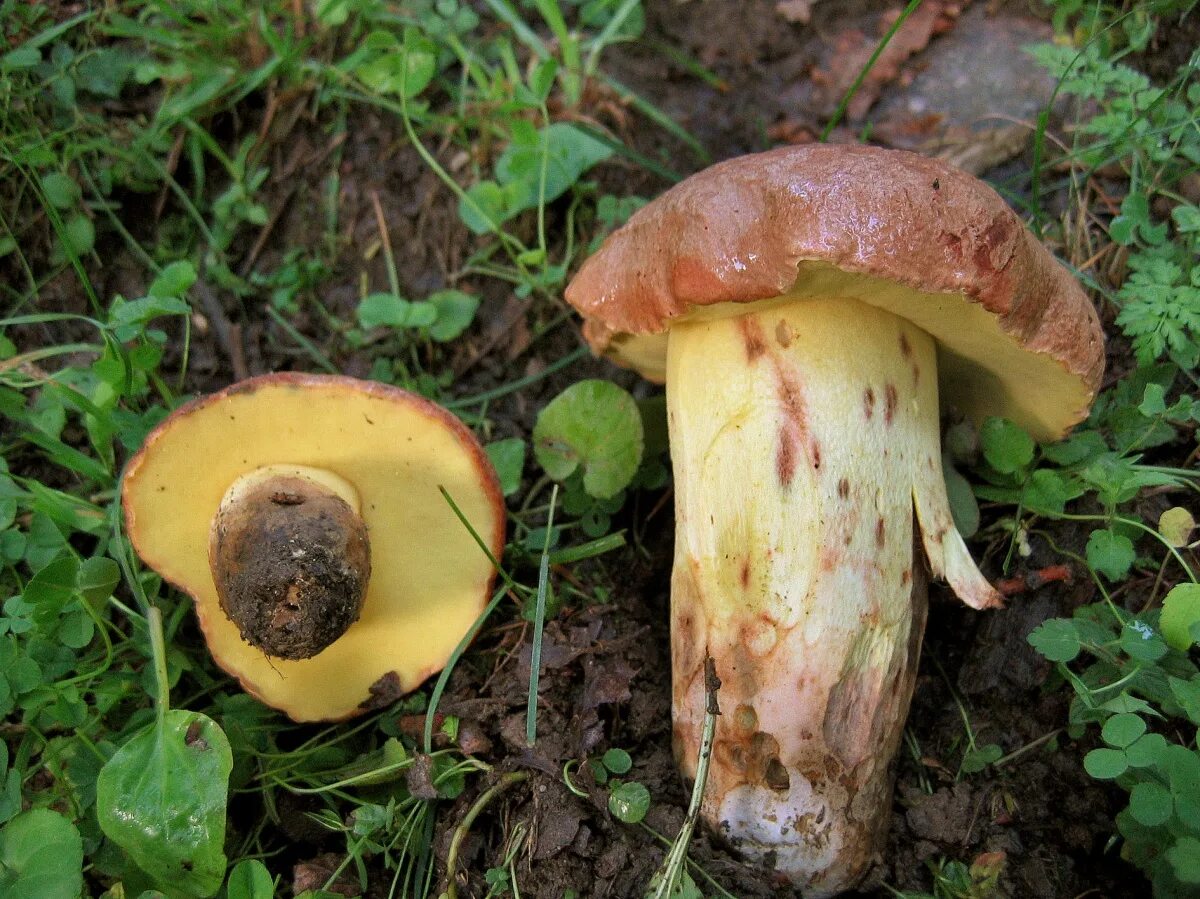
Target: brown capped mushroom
[(302, 515), (810, 309)]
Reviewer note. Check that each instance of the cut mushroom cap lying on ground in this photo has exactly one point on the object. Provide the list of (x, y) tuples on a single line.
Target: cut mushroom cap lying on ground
[(303, 516), (806, 307)]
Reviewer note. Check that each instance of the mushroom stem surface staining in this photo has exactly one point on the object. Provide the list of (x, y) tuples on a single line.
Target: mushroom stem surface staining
[(290, 558), (804, 434)]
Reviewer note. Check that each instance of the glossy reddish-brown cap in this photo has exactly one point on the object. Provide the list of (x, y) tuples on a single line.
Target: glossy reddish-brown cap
[(744, 230)]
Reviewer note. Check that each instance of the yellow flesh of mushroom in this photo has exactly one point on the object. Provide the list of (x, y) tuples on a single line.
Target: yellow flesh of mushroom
[(429, 578), (803, 435)]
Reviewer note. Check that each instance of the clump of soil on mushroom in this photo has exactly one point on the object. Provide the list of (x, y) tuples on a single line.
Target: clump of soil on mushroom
[(291, 563)]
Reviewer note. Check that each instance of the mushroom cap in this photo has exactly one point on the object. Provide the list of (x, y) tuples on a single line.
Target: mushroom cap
[(1017, 336), (429, 579)]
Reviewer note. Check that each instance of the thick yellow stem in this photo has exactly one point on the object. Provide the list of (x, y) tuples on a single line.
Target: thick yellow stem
[(801, 434)]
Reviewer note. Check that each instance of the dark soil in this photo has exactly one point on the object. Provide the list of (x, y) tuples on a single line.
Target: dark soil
[(607, 671)]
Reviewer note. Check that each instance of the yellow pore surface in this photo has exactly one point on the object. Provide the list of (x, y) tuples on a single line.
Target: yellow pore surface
[(429, 579), (982, 370)]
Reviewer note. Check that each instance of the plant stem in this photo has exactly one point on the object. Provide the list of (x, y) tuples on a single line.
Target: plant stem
[(158, 650), (460, 833), (539, 622)]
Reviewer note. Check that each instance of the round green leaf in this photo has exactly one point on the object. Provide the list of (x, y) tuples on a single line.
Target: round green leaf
[(1121, 730), (617, 761), (1145, 750), (629, 802), (455, 312), (79, 235), (1141, 642), (1006, 447), (1105, 764), (1150, 804), (162, 798), (508, 458), (1180, 615), (383, 309), (41, 854), (594, 424), (1056, 639), (97, 578), (1110, 553), (174, 280), (60, 190), (250, 879), (1184, 857)]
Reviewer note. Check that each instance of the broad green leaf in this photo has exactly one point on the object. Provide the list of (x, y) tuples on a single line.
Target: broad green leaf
[(508, 458), (1141, 642), (405, 69), (1150, 803), (977, 759), (78, 236), (25, 57), (162, 798), (97, 578), (389, 310), (618, 761), (1006, 447), (41, 854), (594, 425), (1187, 694), (61, 191), (629, 802), (963, 507), (455, 312), (564, 151), (1145, 751), (173, 281), (1180, 615), (1184, 857), (138, 312), (567, 152), (1049, 491), (1056, 639), (1124, 703), (488, 204), (1105, 764), (1110, 553), (250, 879), (1122, 730)]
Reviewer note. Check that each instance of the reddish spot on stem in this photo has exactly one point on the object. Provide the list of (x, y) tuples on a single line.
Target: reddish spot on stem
[(785, 459), (905, 346), (843, 488), (784, 334), (752, 336), (890, 401), (745, 573), (793, 428), (868, 402), (880, 533)]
